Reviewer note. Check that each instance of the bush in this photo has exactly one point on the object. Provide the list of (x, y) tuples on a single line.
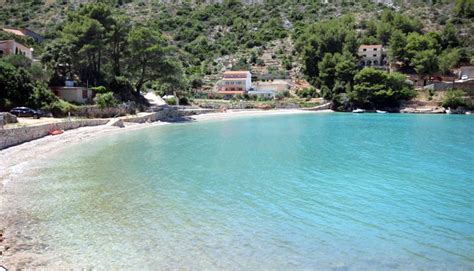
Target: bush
[(60, 108), (307, 93), (104, 100), (171, 101), (41, 97), (282, 94), (100, 89), (454, 99)]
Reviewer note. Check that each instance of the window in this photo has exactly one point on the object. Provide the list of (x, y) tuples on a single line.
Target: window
[(375, 49), (376, 62), (364, 55), (369, 63), (364, 49), (84, 94), (375, 55), (16, 51), (1, 53)]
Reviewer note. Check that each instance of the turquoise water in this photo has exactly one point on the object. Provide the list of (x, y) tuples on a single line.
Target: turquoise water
[(293, 192)]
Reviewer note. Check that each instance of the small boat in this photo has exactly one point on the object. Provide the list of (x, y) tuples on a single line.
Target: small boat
[(358, 110), (56, 132), (448, 111), (381, 111)]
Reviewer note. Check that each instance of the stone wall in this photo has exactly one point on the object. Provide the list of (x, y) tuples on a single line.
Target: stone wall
[(93, 111), (15, 136)]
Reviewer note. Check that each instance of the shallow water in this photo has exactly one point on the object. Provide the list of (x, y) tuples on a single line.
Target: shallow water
[(322, 191)]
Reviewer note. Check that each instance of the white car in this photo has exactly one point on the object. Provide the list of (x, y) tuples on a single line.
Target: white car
[(464, 77)]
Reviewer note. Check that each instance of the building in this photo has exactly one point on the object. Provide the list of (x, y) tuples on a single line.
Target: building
[(371, 56), (235, 82), (10, 47), (24, 32), (71, 93), (275, 85)]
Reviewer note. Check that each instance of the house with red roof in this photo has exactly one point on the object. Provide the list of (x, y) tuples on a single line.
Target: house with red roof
[(235, 82)]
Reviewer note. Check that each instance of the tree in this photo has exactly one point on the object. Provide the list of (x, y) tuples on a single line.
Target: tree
[(346, 67), (464, 8), (425, 62), (454, 99), (149, 56), (16, 86), (397, 45), (117, 38), (449, 37), (375, 88), (331, 36), (448, 59), (417, 43)]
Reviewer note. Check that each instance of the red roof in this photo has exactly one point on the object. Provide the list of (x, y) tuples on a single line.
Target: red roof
[(236, 72), (371, 46)]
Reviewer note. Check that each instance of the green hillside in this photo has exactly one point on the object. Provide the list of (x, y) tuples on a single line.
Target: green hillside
[(276, 39)]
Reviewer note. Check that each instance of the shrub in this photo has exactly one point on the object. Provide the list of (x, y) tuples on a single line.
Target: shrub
[(171, 101), (307, 93), (60, 108), (104, 100), (41, 97), (100, 89), (454, 99), (282, 94)]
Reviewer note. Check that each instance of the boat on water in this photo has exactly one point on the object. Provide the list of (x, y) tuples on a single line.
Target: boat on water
[(358, 110), (381, 112), (448, 111)]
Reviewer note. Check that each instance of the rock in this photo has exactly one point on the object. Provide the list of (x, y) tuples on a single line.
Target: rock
[(7, 118)]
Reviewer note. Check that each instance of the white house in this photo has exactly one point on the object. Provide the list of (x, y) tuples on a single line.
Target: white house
[(235, 82), (371, 55), (71, 93)]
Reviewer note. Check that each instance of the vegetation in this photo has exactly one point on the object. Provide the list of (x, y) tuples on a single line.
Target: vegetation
[(454, 99), (104, 100), (172, 48), (378, 89)]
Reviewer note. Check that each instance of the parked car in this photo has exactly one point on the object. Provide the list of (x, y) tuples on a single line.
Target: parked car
[(464, 77), (26, 112)]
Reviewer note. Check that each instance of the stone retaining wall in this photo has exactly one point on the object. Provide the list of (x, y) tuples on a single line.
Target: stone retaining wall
[(15, 136)]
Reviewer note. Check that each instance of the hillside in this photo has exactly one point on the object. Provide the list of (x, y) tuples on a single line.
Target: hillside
[(274, 39)]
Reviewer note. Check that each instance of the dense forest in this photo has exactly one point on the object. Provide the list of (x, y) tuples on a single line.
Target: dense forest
[(129, 46)]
